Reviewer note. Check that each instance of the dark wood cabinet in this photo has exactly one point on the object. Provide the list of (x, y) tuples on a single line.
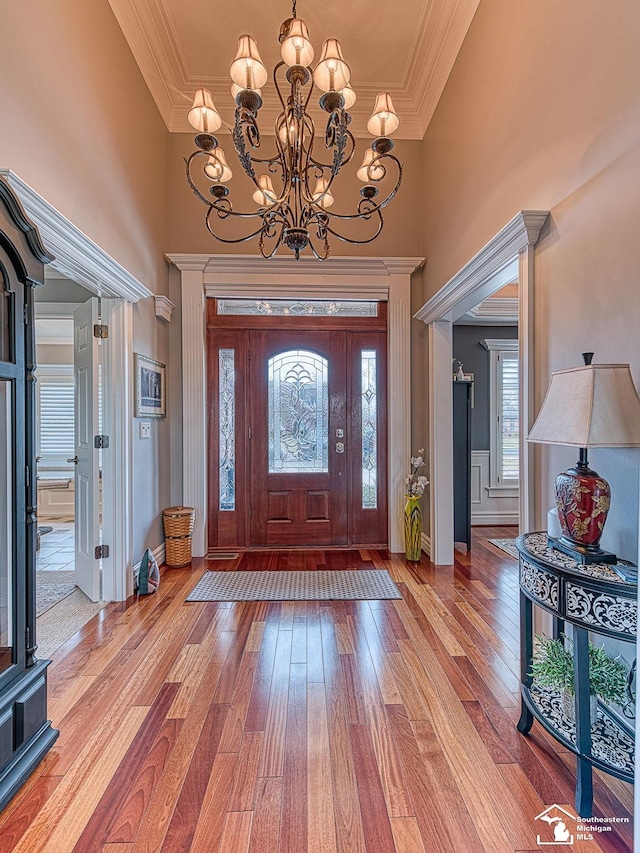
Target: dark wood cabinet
[(462, 462), (25, 733)]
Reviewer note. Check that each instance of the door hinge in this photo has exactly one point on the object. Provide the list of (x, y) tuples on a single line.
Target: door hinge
[(27, 476), (25, 314), (100, 331), (101, 442), (101, 551), (250, 512), (249, 433)]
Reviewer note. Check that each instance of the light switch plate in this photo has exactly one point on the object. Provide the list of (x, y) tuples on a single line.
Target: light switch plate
[(145, 429)]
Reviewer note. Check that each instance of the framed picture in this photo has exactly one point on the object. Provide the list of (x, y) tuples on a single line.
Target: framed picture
[(151, 388)]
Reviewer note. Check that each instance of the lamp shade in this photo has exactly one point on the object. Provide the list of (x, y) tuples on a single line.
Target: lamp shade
[(203, 114), (321, 195), (332, 73), (349, 97), (368, 173), (266, 195), (592, 406), (296, 48), (216, 167), (384, 119), (247, 69)]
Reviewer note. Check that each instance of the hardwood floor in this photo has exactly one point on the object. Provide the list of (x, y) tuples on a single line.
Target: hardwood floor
[(303, 726)]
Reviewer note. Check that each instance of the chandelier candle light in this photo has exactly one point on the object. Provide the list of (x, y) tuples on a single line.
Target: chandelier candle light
[(296, 212)]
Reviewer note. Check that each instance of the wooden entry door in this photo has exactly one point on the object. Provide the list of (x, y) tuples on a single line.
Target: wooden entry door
[(297, 431), (298, 394)]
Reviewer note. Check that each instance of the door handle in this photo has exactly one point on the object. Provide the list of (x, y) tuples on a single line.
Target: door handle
[(74, 460), (339, 447)]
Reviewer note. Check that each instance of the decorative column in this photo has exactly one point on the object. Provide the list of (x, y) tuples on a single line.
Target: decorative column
[(399, 390), (194, 396), (441, 442)]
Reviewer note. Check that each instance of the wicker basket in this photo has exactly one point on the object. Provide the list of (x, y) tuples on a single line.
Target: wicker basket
[(177, 522)]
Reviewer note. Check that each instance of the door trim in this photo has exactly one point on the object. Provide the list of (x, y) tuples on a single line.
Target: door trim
[(248, 276), (484, 274), (82, 260)]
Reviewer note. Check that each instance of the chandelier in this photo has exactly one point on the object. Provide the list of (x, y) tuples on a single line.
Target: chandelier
[(296, 210)]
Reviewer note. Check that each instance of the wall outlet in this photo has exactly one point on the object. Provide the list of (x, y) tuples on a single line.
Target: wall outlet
[(145, 429)]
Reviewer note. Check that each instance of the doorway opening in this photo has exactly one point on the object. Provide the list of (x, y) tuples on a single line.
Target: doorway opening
[(486, 416), (68, 417), (297, 425)]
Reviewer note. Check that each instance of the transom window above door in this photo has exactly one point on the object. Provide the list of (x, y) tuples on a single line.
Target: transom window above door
[(298, 307)]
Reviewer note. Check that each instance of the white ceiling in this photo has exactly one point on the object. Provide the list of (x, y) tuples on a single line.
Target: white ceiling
[(407, 49)]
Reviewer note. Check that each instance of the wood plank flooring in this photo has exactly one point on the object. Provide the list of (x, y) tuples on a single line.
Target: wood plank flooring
[(330, 727)]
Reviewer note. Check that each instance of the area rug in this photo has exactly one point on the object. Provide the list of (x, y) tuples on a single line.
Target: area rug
[(52, 587), (366, 584), (506, 545), (61, 622)]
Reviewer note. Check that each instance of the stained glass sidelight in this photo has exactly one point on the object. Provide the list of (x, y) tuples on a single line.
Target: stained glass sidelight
[(227, 410), (298, 413), (369, 431)]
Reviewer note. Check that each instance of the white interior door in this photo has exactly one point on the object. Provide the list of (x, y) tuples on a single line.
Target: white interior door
[(87, 508)]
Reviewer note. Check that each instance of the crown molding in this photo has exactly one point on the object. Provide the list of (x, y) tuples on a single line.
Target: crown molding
[(76, 255), (500, 310), (229, 276), (439, 34), (522, 231)]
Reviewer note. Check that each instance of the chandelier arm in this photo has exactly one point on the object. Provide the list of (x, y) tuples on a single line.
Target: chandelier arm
[(244, 239), (190, 181), (374, 207), (277, 245), (276, 68), (346, 160), (325, 253), (358, 242)]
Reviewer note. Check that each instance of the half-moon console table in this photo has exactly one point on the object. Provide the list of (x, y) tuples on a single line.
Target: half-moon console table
[(591, 598)]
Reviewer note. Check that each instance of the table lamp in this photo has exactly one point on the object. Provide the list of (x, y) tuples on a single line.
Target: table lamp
[(592, 406)]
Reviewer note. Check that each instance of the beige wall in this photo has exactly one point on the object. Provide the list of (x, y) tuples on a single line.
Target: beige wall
[(401, 235), (542, 112), (79, 125)]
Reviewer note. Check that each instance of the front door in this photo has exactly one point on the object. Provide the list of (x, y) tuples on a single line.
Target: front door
[(298, 393), (297, 443)]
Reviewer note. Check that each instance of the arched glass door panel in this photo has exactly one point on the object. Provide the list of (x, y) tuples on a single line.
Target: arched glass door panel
[(298, 413)]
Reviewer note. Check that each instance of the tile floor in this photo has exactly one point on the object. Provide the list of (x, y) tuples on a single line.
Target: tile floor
[(57, 548)]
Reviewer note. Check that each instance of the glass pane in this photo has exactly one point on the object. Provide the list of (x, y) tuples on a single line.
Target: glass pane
[(227, 403), (6, 524), (5, 316), (298, 307), (509, 417), (298, 413), (369, 431)]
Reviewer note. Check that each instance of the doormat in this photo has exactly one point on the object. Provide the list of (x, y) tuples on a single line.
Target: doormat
[(50, 592), (506, 545), (366, 584)]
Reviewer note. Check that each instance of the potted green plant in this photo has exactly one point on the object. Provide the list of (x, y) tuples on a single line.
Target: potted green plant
[(552, 666)]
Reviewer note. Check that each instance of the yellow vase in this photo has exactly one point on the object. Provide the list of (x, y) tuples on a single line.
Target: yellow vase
[(412, 528)]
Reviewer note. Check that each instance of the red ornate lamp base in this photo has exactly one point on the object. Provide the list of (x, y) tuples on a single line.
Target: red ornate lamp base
[(583, 498)]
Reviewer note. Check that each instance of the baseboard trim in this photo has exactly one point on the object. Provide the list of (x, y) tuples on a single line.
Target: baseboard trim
[(493, 518)]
